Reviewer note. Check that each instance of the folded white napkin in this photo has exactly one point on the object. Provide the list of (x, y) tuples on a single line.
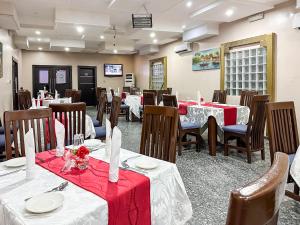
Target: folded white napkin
[(42, 94), (198, 97), (60, 138), (56, 95), (115, 155), (38, 105), (108, 139), (30, 154), (177, 95), (33, 104)]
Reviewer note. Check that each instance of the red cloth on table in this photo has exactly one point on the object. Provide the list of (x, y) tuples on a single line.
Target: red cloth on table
[(63, 121), (41, 102), (183, 105), (230, 113), (128, 200), (123, 95), (142, 100)]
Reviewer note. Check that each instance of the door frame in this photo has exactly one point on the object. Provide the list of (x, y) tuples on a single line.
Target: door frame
[(14, 60), (87, 67), (51, 66)]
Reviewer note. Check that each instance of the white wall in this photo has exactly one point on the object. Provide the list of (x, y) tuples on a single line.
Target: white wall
[(187, 82), (5, 82)]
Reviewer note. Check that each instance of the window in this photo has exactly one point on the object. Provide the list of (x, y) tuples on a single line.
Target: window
[(245, 69), (158, 74)]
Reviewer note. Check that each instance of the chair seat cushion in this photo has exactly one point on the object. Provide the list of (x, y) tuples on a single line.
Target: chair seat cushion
[(1, 130), (291, 158), (123, 106), (2, 141), (100, 132), (95, 122), (239, 128), (189, 125)]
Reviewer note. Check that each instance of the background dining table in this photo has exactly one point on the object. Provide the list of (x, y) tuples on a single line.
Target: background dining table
[(170, 204)]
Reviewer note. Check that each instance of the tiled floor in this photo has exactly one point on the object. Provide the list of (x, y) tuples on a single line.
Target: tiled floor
[(209, 180)]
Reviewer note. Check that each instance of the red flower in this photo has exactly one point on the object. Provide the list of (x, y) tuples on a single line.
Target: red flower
[(82, 152)]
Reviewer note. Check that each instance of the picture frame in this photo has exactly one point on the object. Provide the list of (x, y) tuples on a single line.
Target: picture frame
[(208, 59), (113, 70)]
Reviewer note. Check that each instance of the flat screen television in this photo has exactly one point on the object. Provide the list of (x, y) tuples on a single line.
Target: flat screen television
[(113, 70)]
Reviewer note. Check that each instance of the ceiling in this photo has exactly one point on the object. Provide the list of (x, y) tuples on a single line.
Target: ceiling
[(58, 21)]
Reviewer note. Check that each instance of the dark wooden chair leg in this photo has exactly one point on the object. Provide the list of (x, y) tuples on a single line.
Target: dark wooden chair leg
[(248, 154), (212, 135), (179, 144), (225, 147), (262, 154), (296, 189)]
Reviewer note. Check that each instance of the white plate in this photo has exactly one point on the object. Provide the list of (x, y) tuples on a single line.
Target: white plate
[(46, 202), (146, 164), (93, 143), (16, 162)]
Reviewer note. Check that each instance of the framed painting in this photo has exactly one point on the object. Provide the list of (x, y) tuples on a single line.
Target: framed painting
[(206, 60), (1, 60)]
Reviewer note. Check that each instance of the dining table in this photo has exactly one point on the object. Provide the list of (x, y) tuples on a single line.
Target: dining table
[(166, 195), (295, 167), (135, 103), (212, 116)]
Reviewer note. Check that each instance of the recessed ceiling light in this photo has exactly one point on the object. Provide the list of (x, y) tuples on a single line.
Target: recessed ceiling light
[(39, 39), (40, 48), (79, 29), (37, 32), (183, 26), (189, 4), (229, 12), (67, 49), (115, 51), (152, 34), (155, 41), (101, 37)]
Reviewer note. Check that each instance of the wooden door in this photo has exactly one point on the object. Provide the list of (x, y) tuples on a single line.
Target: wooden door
[(15, 83), (87, 83)]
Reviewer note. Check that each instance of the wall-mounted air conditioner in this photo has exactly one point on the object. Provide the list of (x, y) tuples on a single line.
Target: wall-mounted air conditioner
[(296, 21), (183, 48)]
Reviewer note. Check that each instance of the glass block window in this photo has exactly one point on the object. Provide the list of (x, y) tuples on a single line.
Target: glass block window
[(157, 75), (246, 69)]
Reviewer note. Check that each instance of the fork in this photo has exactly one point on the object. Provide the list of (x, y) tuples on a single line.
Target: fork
[(61, 187), (125, 166)]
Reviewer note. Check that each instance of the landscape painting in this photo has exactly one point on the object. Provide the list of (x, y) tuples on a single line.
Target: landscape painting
[(206, 60)]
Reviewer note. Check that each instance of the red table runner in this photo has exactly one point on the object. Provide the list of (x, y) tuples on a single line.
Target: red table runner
[(230, 113), (128, 199), (182, 106)]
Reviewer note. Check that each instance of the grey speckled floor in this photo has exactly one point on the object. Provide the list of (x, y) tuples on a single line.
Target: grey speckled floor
[(209, 180)]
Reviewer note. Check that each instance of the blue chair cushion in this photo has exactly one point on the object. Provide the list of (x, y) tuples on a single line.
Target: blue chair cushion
[(1, 130), (189, 125), (100, 132), (95, 122), (123, 106), (2, 141), (239, 128), (291, 158)]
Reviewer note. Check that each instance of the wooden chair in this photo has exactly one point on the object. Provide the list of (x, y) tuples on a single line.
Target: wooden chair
[(76, 96), (252, 134), (258, 203), (99, 91), (72, 115), (160, 94), (247, 97), (24, 99), (169, 91), (134, 90), (114, 115), (126, 89), (159, 132), (283, 135), (19, 123), (220, 96), (151, 91), (148, 99), (184, 128), (69, 93), (97, 122)]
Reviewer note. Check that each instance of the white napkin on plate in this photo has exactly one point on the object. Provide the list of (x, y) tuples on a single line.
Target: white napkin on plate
[(56, 95), (33, 104), (30, 154), (38, 105), (60, 138), (108, 139), (115, 155)]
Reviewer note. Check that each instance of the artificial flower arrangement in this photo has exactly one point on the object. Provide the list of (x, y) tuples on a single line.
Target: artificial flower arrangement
[(81, 157)]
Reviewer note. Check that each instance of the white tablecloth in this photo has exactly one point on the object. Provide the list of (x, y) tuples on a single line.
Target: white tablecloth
[(170, 204), (47, 102), (295, 168), (134, 103)]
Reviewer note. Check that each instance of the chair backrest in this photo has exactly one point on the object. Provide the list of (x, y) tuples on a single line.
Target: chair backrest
[(258, 202), (247, 97), (169, 91), (69, 93), (99, 90), (101, 107), (72, 115), (126, 89), (151, 91), (115, 111), (19, 122), (112, 91), (159, 132), (220, 96), (76, 96), (170, 100), (160, 95), (24, 99), (148, 98), (257, 121), (134, 90), (282, 128)]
